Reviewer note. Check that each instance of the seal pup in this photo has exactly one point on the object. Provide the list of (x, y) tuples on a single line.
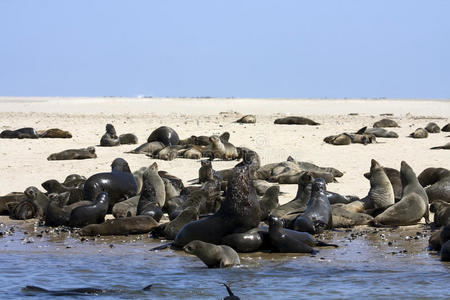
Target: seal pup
[(22, 133), (446, 147), (249, 241), (338, 140), (385, 123), (55, 133), (413, 205), (248, 119), (317, 216), (381, 193), (128, 138), (295, 121), (222, 149), (192, 153), (168, 153), (122, 226), (239, 212), (441, 210), (83, 153), (432, 128), (213, 256), (269, 201), (151, 148), (419, 133), (290, 241), (109, 139), (165, 135), (120, 183), (437, 183), (90, 214)]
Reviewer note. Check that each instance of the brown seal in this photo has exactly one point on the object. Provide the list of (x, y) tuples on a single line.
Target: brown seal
[(295, 121), (446, 147), (338, 140), (213, 256), (128, 138), (441, 210), (55, 133), (109, 139), (432, 128), (83, 153), (419, 133), (385, 123), (248, 119), (122, 226)]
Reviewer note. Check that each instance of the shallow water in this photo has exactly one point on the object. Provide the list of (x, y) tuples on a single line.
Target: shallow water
[(364, 265)]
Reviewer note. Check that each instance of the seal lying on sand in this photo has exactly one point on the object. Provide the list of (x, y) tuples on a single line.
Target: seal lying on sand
[(239, 212), (22, 133), (54, 133), (413, 205), (83, 153), (120, 183), (151, 148), (109, 139), (248, 119), (128, 138), (419, 133), (437, 183), (58, 212), (12, 199), (446, 128), (432, 128), (165, 135), (385, 123), (213, 256), (378, 132), (446, 147), (295, 121)]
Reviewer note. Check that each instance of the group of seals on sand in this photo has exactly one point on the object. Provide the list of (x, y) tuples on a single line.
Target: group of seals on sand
[(110, 138), (31, 133)]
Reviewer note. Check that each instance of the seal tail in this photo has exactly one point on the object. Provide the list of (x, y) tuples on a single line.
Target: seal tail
[(162, 247), (323, 244), (230, 292)]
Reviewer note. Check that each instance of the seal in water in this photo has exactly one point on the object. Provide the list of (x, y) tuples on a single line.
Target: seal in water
[(230, 296), (291, 241), (90, 214), (213, 256), (165, 135), (239, 212), (83, 153), (109, 139), (120, 184), (385, 123), (295, 121), (317, 216), (413, 205)]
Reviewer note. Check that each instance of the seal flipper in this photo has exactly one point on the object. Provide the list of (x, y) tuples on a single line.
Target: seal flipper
[(362, 130), (148, 288), (323, 244), (162, 247)]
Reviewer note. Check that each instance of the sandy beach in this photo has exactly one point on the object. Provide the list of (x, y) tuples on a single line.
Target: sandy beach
[(24, 162)]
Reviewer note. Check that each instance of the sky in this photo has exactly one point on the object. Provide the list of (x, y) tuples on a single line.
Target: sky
[(228, 48)]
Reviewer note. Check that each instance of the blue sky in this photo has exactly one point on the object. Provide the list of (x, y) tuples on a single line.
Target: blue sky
[(228, 48)]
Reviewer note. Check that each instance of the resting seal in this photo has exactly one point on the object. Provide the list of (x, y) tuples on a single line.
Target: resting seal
[(446, 128), (441, 212), (109, 139), (55, 133), (437, 183), (413, 205), (378, 132), (269, 201), (90, 214), (153, 195), (317, 216), (120, 184), (295, 121), (151, 148), (338, 140), (165, 135), (83, 153), (381, 193), (419, 133), (239, 212), (128, 138), (248, 119), (22, 133), (122, 226), (446, 147), (213, 256), (222, 149), (394, 178), (58, 212), (385, 123), (171, 229), (432, 128)]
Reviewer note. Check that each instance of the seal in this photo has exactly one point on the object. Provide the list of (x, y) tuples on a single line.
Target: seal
[(22, 133), (213, 256), (153, 189), (128, 138), (338, 140), (83, 153), (378, 132), (295, 121), (307, 166), (248, 119), (122, 226), (230, 296), (249, 241), (169, 153), (192, 153), (441, 212), (343, 218), (109, 139), (394, 178), (170, 230), (90, 214), (446, 147), (291, 241), (413, 205), (385, 123), (221, 149), (120, 183), (364, 138), (127, 208), (76, 192), (165, 135), (437, 183), (446, 128), (381, 193), (37, 197), (58, 212), (239, 212), (317, 216), (269, 201), (419, 133), (151, 148), (445, 251), (432, 128), (55, 133), (12, 199)]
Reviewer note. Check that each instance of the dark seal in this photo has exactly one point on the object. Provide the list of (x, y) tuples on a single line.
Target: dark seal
[(165, 135)]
